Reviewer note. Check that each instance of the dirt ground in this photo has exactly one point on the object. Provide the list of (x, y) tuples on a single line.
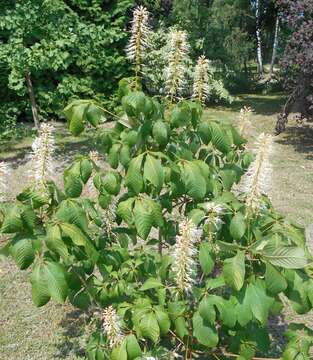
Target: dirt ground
[(55, 331)]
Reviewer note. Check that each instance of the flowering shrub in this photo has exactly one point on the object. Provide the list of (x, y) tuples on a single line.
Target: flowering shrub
[(175, 243), (178, 263)]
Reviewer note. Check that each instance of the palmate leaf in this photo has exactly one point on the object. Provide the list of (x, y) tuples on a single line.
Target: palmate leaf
[(234, 271), (153, 172), (288, 257), (12, 222), (134, 179)]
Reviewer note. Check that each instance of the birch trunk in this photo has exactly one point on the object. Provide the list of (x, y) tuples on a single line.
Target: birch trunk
[(32, 100), (258, 37), (275, 45)]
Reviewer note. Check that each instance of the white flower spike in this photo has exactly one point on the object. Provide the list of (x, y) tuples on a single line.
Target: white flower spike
[(43, 147), (4, 173), (111, 327), (138, 42), (257, 179), (184, 254), (201, 89), (176, 69)]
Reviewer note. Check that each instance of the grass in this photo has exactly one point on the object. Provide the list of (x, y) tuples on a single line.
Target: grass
[(56, 332)]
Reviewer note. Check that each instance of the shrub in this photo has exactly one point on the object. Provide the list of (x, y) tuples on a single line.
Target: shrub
[(172, 258)]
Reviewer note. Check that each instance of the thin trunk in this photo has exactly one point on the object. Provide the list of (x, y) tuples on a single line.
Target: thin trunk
[(258, 37), (275, 44), (32, 100)]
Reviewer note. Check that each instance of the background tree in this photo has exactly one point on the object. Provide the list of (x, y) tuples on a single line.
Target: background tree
[(297, 62), (65, 49)]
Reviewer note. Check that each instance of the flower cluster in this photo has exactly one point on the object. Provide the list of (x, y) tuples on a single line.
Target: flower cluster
[(175, 71), (257, 179), (138, 42), (184, 254), (4, 173), (111, 327), (43, 147), (201, 89), (245, 124)]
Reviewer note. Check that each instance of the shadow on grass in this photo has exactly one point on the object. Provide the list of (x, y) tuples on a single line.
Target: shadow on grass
[(301, 138), (261, 104), (73, 330)]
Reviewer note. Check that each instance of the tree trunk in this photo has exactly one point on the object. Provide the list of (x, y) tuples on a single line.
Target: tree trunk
[(258, 37), (275, 44), (32, 100)]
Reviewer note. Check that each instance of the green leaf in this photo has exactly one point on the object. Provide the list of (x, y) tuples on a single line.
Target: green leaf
[(204, 334), (54, 241), (104, 199), (220, 138), (205, 132), (153, 172), (133, 348), (77, 119), (206, 309), (12, 223), (23, 253), (73, 185), (181, 327), (94, 115), (71, 212), (125, 155), (119, 352), (111, 183), (275, 282), (124, 210), (143, 217), (259, 302), (194, 182), (149, 327), (133, 178), (85, 170), (151, 283), (29, 218), (163, 321), (205, 258), (160, 133), (40, 292), (113, 156), (237, 226), (80, 239), (55, 281), (234, 271), (290, 257)]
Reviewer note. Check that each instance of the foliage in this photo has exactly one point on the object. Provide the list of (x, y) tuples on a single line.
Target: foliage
[(174, 260), (297, 61), (71, 48)]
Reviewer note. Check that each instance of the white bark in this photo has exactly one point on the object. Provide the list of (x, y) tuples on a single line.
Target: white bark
[(275, 45), (258, 37)]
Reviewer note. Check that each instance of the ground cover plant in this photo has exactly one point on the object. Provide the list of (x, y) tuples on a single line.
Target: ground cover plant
[(168, 253)]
